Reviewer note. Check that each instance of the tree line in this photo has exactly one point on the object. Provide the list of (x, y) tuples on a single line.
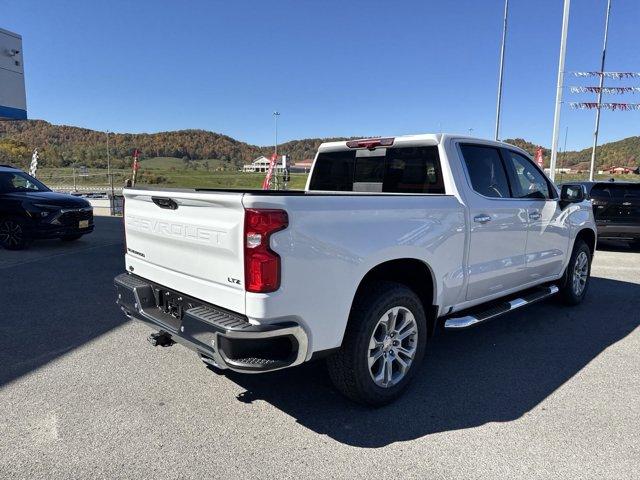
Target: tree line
[(63, 146)]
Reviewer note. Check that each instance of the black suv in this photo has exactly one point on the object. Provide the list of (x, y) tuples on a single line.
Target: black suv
[(29, 210), (616, 208)]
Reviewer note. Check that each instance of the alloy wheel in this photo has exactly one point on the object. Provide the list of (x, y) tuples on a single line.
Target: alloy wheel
[(11, 233), (580, 273), (392, 346)]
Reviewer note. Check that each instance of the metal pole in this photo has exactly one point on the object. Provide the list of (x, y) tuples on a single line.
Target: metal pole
[(564, 150), (556, 115), (275, 117), (502, 48), (601, 84), (276, 114), (108, 161)]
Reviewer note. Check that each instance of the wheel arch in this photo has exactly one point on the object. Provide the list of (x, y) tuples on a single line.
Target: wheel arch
[(415, 274), (588, 235)]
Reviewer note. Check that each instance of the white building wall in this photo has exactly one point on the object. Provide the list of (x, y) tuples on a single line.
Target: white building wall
[(13, 100)]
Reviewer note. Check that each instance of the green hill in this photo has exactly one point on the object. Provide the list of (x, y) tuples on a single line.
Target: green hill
[(62, 146), (622, 153)]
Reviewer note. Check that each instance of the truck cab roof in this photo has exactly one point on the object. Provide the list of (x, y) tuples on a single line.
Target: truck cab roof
[(422, 139)]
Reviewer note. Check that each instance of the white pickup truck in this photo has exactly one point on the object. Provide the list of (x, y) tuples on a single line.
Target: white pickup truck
[(392, 239)]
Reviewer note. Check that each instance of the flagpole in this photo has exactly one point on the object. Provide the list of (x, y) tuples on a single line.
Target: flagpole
[(600, 85), (502, 48), (556, 115)]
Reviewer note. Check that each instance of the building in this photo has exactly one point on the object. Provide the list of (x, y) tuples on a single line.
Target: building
[(303, 166), (13, 100), (621, 170), (261, 165)]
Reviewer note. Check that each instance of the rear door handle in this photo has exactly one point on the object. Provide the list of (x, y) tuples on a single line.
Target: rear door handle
[(482, 218)]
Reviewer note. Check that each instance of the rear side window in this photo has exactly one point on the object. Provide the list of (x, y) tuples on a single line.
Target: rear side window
[(486, 171), (601, 190), (388, 170), (607, 191)]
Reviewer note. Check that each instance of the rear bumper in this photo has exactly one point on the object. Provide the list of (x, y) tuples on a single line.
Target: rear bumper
[(223, 338)]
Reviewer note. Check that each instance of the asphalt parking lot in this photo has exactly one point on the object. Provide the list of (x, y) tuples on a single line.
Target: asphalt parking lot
[(546, 392)]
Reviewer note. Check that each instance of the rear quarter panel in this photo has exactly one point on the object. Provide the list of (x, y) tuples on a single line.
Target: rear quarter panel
[(332, 242)]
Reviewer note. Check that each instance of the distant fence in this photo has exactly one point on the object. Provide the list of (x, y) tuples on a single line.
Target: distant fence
[(85, 189)]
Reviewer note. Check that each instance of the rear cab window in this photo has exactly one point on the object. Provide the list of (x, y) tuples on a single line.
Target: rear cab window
[(384, 170)]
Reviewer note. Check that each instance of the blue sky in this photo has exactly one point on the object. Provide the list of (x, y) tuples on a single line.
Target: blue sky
[(331, 68)]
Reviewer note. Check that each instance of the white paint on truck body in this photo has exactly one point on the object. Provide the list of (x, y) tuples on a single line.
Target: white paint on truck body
[(335, 238)]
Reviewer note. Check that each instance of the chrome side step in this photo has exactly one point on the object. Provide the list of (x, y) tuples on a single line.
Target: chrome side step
[(466, 321)]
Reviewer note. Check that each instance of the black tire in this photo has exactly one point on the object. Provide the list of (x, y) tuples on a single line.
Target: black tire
[(569, 293), (349, 367), (635, 244), (70, 238), (13, 234)]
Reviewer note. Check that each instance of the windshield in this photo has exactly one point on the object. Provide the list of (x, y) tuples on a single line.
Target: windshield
[(20, 182)]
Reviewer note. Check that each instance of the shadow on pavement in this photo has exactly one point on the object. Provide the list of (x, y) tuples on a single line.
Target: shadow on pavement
[(57, 296), (493, 373)]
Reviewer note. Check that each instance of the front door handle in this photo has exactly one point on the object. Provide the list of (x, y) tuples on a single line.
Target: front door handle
[(482, 218), (534, 216)]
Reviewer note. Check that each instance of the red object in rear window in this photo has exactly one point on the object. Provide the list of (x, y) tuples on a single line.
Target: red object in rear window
[(370, 143), (261, 264)]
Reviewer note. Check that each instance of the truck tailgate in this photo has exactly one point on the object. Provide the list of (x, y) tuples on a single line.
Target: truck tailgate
[(188, 241)]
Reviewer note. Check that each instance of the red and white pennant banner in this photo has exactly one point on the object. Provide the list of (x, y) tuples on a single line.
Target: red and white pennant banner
[(616, 75), (607, 90), (606, 106)]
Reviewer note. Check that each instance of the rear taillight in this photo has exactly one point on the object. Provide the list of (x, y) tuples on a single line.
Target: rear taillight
[(261, 264)]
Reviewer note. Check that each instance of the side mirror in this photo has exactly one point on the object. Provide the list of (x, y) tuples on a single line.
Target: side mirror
[(571, 194)]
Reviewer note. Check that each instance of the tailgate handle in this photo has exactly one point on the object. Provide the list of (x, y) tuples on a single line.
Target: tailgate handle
[(163, 202)]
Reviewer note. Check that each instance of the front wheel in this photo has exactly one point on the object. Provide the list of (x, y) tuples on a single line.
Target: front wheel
[(13, 235), (576, 277), (383, 346)]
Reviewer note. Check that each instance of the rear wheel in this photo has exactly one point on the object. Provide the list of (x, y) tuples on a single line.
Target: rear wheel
[(576, 278), (13, 235), (383, 346)]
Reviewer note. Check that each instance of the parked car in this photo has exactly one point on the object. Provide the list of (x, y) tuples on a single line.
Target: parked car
[(616, 207), (393, 238), (29, 210)]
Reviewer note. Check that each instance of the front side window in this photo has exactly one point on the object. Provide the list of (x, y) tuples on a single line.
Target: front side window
[(11, 182), (527, 181), (388, 170), (486, 170)]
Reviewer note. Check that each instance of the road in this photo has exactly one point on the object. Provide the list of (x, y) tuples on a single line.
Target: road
[(545, 392)]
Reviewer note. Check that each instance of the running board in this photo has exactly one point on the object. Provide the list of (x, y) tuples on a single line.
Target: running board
[(458, 323)]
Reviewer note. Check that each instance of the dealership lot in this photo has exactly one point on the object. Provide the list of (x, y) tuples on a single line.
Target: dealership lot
[(547, 391)]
